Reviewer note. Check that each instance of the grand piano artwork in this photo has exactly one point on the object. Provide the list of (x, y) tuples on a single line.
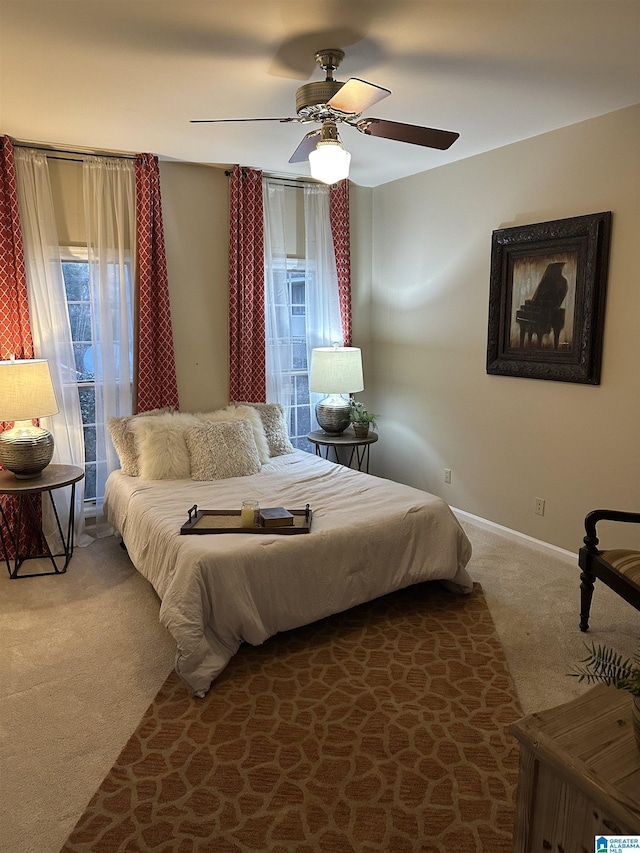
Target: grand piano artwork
[(547, 299), (543, 313)]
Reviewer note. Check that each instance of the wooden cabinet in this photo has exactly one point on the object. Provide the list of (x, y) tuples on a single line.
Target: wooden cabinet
[(579, 774)]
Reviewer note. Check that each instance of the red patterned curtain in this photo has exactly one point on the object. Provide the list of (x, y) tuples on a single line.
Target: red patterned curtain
[(155, 382), (247, 357), (339, 212), (15, 329)]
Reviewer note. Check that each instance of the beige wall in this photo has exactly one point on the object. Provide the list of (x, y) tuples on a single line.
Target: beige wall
[(195, 209), (506, 440)]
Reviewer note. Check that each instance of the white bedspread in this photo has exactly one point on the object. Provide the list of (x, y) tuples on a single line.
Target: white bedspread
[(369, 536)]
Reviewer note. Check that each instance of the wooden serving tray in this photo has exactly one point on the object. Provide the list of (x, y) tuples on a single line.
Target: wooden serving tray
[(228, 521)]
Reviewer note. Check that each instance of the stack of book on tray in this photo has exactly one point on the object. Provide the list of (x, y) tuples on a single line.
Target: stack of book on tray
[(276, 516)]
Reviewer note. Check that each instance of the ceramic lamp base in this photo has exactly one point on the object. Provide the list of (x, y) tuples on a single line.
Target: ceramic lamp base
[(332, 414), (26, 450)]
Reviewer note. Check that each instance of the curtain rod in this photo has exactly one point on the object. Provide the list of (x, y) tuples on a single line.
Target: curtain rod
[(295, 185), (89, 153), (288, 181)]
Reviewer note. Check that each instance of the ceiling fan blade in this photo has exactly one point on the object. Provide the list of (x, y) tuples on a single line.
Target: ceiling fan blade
[(218, 120), (357, 95), (416, 135), (306, 147)]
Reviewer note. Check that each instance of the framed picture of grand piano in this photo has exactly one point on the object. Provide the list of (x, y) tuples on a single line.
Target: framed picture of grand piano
[(547, 299)]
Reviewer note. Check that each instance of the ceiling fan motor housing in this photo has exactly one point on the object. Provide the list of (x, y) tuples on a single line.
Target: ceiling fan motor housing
[(312, 98)]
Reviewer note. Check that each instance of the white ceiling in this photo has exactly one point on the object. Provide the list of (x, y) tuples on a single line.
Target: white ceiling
[(128, 75)]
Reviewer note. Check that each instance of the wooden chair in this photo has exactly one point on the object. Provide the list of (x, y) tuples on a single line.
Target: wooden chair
[(618, 568)]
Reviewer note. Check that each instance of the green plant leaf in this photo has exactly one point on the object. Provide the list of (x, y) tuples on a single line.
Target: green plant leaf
[(604, 665)]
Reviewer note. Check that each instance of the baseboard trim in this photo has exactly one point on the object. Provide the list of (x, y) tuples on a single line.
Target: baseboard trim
[(515, 534)]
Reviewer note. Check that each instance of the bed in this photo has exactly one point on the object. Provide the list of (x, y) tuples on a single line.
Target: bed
[(369, 536)]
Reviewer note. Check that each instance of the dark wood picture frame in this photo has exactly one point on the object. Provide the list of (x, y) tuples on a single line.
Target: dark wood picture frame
[(547, 299)]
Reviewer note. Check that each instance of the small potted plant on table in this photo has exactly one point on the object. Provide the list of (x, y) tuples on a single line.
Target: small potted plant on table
[(605, 666), (361, 419)]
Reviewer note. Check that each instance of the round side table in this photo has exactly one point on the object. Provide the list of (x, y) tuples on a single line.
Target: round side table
[(357, 448), (22, 533)]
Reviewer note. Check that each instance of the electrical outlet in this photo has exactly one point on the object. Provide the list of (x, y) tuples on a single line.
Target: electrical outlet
[(447, 475), (539, 506)]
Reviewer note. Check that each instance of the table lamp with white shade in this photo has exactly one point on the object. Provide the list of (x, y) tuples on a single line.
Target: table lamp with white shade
[(26, 392), (335, 371)]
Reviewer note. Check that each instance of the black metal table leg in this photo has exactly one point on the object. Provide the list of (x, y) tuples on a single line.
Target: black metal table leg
[(28, 524)]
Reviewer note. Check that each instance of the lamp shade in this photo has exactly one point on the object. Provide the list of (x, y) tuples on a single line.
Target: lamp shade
[(329, 162), (336, 370), (26, 390)]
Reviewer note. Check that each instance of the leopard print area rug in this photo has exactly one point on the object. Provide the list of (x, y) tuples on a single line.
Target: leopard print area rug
[(382, 729)]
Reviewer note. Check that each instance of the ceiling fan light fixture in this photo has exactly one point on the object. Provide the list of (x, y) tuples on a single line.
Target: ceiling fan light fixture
[(329, 162), (330, 102)]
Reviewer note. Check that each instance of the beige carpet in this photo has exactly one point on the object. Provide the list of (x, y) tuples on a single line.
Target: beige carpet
[(84, 655), (383, 729), (534, 598)]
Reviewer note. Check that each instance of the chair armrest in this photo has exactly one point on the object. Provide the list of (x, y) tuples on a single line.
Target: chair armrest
[(591, 520)]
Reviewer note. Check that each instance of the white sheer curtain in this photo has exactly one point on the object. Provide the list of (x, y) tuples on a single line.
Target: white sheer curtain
[(50, 326), (279, 355), (324, 325), (322, 306), (109, 200)]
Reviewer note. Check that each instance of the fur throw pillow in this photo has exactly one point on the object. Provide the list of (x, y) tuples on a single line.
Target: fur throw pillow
[(275, 427), (221, 450), (243, 413), (161, 446), (124, 440)]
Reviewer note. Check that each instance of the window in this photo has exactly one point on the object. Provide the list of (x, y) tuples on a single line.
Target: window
[(75, 270), (300, 415), (291, 343), (301, 296)]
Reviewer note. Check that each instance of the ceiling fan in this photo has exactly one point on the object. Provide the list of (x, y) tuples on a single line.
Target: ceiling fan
[(329, 102)]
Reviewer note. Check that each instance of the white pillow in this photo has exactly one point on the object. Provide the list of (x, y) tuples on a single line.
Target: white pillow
[(124, 440), (275, 427), (242, 413), (221, 450), (161, 446)]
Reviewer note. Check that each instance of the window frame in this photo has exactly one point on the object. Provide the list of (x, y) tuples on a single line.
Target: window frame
[(79, 254), (297, 264)]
